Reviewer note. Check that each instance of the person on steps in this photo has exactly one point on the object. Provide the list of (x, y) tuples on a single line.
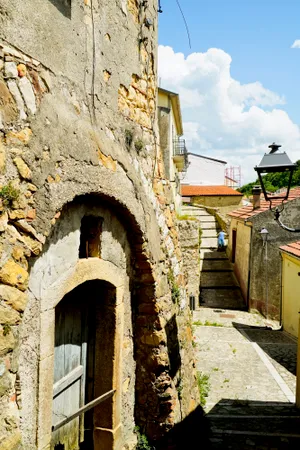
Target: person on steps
[(221, 241)]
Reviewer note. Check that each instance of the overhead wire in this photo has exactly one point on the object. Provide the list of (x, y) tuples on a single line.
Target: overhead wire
[(185, 22)]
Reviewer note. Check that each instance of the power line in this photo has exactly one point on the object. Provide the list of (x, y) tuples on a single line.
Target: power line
[(185, 22)]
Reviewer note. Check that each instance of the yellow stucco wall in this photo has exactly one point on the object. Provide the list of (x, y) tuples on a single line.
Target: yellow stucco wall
[(290, 293), (242, 252), (218, 201)]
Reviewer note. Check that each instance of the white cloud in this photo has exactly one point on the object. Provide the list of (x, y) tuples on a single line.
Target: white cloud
[(296, 44), (222, 117)]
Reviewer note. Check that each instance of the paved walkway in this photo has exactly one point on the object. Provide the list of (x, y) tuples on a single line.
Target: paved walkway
[(251, 371)]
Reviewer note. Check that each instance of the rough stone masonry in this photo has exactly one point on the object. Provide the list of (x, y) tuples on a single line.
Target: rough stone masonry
[(79, 138)]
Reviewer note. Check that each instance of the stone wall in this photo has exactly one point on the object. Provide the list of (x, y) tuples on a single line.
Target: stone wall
[(189, 236), (272, 266), (78, 132)]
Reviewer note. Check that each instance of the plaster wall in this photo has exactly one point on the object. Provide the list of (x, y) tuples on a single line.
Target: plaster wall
[(202, 171), (218, 201), (242, 254), (290, 293)]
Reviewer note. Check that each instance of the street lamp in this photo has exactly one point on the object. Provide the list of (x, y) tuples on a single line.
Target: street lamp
[(264, 235), (274, 162)]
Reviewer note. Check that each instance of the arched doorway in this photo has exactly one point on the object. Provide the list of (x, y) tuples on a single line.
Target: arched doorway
[(85, 328)]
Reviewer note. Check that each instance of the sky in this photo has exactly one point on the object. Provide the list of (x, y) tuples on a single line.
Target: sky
[(239, 81)]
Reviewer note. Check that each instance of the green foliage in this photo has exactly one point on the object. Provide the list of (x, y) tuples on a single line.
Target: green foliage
[(8, 194), (274, 181), (207, 323), (139, 145), (128, 138), (175, 291), (203, 386), (142, 443), (6, 329), (200, 235), (186, 217)]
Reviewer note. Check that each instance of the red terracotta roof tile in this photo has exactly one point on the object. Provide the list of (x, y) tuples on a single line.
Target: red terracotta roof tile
[(293, 248), (247, 211), (190, 190)]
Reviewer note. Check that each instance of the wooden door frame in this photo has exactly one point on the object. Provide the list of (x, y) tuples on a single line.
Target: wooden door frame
[(84, 270)]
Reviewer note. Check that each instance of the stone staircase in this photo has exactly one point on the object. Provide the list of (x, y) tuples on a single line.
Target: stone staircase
[(274, 426), (218, 286)]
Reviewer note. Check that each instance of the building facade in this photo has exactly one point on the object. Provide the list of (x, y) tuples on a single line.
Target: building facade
[(89, 253), (172, 145), (257, 266), (206, 171), (290, 287)]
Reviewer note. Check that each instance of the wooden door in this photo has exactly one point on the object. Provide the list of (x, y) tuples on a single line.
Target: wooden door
[(73, 337)]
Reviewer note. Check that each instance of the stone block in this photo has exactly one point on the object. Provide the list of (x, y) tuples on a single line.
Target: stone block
[(11, 442), (10, 69), (8, 110), (14, 90), (8, 316), (153, 338), (13, 297), (7, 342), (14, 275), (23, 169), (28, 94), (5, 383), (3, 221), (2, 158), (18, 137)]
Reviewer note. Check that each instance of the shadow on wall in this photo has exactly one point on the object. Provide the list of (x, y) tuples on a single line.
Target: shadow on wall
[(64, 6), (173, 346), (192, 433)]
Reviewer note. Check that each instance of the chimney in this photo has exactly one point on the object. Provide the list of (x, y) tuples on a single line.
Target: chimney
[(256, 191)]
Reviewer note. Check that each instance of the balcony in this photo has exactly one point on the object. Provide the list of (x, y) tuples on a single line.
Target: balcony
[(180, 156)]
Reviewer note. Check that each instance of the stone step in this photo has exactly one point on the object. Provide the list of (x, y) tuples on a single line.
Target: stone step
[(211, 232), (246, 424), (214, 265), (217, 279), (212, 254), (205, 219), (209, 242), (222, 299), (250, 441), (195, 212), (253, 425), (209, 226)]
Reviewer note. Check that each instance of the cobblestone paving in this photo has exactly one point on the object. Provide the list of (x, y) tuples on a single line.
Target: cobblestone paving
[(236, 370)]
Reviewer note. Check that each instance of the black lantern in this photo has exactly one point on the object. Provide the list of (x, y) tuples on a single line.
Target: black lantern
[(274, 162)]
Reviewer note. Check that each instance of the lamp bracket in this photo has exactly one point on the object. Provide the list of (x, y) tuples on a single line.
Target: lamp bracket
[(277, 213)]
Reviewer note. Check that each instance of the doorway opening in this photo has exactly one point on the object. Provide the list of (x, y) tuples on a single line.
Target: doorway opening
[(85, 330)]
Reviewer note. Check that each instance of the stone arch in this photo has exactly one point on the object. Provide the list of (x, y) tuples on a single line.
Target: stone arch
[(50, 281)]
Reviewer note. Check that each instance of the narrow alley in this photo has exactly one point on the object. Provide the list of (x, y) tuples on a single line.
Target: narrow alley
[(246, 369)]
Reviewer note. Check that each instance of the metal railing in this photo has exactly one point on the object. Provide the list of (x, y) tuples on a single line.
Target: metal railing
[(84, 409), (179, 149)]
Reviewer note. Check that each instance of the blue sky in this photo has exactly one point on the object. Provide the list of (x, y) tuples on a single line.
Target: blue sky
[(257, 35)]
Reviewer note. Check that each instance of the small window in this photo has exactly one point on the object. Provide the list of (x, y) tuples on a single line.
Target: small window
[(90, 237)]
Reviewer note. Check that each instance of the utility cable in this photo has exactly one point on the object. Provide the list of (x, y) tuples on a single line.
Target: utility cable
[(185, 22)]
